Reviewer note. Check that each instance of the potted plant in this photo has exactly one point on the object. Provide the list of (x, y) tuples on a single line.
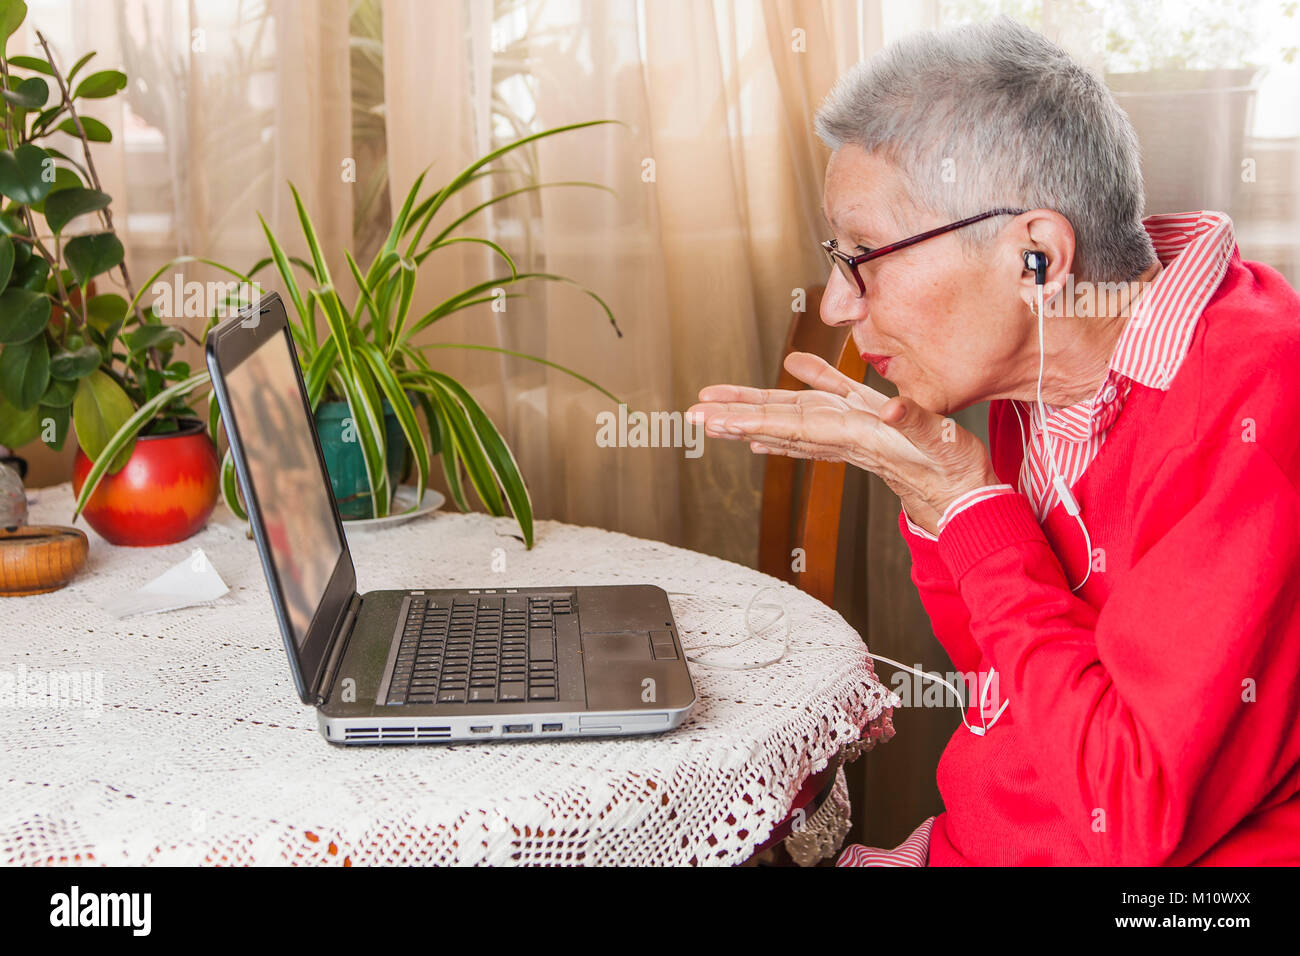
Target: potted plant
[(72, 356), (367, 377), (1175, 70)]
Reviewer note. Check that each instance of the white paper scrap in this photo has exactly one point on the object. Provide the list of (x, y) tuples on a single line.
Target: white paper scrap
[(193, 581)]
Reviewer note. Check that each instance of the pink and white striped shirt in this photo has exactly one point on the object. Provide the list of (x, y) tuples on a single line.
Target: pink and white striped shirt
[(1194, 249)]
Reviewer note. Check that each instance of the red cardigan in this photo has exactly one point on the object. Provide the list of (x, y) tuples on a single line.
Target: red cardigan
[(1154, 715)]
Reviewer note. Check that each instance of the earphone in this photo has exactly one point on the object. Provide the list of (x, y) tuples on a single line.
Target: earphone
[(1036, 262)]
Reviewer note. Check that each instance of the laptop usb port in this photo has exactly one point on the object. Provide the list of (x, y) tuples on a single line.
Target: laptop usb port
[(517, 729), (480, 730), (553, 727)]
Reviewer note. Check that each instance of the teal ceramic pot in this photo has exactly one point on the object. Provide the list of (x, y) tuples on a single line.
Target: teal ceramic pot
[(346, 463)]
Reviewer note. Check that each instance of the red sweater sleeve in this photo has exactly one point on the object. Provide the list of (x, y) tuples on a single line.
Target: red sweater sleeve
[(948, 614), (1140, 716)]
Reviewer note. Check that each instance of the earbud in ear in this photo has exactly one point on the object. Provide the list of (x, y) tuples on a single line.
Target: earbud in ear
[(1036, 262)]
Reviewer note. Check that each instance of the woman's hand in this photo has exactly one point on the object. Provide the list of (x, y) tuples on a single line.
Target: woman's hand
[(926, 459)]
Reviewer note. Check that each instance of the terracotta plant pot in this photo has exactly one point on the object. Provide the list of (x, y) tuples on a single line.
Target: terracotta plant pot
[(165, 493)]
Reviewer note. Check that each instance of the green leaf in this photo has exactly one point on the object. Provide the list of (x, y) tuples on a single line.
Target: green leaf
[(214, 418), (59, 416), (465, 298), (6, 260), (432, 420), (12, 14), (23, 315), (151, 336), (468, 447), (64, 205), (18, 426), (282, 265), (28, 94), (404, 303), (89, 256), (363, 395), (96, 131), (366, 298), (313, 243), (514, 271), (399, 227), (466, 175), (11, 224), (64, 178), (230, 487), (405, 416), (30, 272), (100, 409), (25, 371), (106, 313), (76, 67), (450, 457), (440, 240), (59, 393), (319, 370), (72, 365), (99, 85), (531, 358), (23, 173), (44, 118), (31, 63), (498, 454)]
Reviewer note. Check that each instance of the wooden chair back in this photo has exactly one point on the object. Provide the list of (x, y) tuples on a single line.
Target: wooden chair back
[(802, 498)]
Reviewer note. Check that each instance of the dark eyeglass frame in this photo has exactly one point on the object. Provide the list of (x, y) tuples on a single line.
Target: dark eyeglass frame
[(848, 265)]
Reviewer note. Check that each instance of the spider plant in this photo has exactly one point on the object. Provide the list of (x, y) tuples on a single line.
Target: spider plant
[(366, 353)]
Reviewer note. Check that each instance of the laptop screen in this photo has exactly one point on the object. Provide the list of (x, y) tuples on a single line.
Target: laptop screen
[(290, 486)]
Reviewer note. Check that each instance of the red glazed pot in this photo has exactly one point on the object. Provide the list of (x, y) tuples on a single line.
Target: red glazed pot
[(165, 493)]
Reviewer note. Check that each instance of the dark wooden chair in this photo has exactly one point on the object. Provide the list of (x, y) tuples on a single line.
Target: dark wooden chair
[(800, 523)]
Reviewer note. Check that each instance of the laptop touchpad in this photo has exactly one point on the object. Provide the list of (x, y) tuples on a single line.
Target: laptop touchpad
[(621, 647)]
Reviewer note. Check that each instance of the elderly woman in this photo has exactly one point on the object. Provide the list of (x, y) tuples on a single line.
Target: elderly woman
[(1120, 573)]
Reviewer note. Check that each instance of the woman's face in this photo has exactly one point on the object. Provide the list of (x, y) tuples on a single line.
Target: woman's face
[(949, 326)]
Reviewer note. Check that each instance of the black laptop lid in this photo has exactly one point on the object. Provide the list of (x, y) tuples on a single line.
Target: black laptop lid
[(282, 474)]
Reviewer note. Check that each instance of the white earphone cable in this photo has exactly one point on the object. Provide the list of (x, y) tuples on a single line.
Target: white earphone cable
[(1058, 482), (751, 633)]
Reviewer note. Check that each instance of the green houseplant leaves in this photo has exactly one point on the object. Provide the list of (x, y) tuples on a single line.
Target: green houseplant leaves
[(366, 354), (26, 173), (68, 355)]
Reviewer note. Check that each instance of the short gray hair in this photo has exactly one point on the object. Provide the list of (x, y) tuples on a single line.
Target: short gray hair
[(1021, 124)]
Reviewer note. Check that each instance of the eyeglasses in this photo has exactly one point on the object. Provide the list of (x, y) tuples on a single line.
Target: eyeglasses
[(848, 265)]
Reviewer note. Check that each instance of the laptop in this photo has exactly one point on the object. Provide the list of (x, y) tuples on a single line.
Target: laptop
[(434, 664)]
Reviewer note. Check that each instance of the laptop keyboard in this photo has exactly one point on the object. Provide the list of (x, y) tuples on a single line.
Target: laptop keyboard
[(477, 649)]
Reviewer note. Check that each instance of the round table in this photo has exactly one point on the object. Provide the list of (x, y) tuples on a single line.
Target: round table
[(178, 738)]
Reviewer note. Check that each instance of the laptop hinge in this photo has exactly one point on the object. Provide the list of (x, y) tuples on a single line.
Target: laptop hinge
[(337, 647)]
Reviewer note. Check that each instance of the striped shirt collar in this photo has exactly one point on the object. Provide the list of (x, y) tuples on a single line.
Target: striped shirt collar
[(1194, 248)]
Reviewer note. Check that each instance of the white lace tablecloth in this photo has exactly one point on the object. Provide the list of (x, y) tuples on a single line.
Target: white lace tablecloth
[(187, 743)]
